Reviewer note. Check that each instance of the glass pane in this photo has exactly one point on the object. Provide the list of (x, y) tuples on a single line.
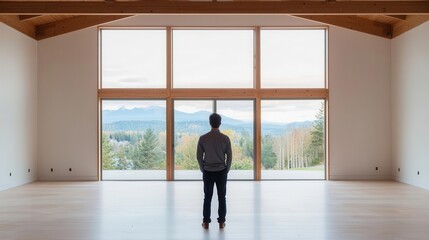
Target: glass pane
[(191, 120), (133, 58), (293, 139), (133, 140), (237, 123), (293, 58), (213, 58)]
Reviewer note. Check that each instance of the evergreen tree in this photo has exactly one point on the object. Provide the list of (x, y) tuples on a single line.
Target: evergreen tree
[(148, 154), (318, 135), (107, 156), (122, 162), (269, 158)]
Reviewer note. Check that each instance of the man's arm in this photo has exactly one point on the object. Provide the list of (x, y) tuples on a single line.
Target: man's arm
[(200, 155), (228, 155)]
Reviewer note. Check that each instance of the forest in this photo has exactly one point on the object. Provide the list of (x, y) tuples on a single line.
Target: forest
[(299, 148)]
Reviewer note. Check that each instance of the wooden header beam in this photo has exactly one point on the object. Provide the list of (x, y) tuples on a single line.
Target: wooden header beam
[(355, 23), (222, 7)]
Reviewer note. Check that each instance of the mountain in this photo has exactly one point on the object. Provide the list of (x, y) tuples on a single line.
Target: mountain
[(141, 119)]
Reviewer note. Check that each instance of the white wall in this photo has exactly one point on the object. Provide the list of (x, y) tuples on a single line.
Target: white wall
[(68, 106), (359, 105), (410, 106), (359, 101), (18, 108)]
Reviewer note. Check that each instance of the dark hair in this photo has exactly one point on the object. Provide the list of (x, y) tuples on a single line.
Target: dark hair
[(215, 120)]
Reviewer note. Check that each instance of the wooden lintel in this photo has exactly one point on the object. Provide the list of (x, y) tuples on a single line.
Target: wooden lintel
[(72, 24), (214, 93), (397, 17), (355, 23), (410, 23), (28, 17), (23, 27), (214, 7)]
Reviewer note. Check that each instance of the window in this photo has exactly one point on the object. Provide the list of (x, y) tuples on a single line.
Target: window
[(133, 140), (133, 58), (293, 139), (293, 58), (271, 98), (191, 121), (212, 58)]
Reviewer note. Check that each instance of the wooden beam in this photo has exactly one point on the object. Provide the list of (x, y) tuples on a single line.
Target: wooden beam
[(411, 22), (214, 93), (28, 17), (221, 7), (72, 24), (397, 17), (23, 27), (354, 23)]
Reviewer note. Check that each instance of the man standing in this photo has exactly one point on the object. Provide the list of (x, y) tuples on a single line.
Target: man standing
[(214, 156)]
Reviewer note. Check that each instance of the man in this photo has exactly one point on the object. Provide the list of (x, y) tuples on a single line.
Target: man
[(214, 156)]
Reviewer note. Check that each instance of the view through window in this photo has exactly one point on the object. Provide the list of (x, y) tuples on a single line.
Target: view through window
[(221, 67), (133, 140)]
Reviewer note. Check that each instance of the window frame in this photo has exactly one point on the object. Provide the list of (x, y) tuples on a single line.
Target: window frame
[(169, 94)]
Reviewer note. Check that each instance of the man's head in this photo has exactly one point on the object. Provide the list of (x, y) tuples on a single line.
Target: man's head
[(215, 120)]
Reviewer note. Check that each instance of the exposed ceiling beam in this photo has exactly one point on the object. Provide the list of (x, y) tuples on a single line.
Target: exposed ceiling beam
[(220, 7), (354, 23), (23, 27), (410, 23), (397, 17), (28, 17), (72, 24)]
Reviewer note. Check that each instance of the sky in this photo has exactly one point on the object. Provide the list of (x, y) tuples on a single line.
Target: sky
[(213, 58)]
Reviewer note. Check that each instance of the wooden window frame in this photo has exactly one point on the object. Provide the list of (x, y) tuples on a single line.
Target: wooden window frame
[(256, 93)]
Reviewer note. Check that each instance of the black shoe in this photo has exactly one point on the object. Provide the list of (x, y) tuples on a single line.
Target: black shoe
[(221, 225), (205, 225)]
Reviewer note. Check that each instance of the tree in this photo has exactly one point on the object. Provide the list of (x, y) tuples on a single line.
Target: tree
[(122, 162), (269, 158), (186, 153), (240, 161), (148, 154), (318, 135), (107, 156)]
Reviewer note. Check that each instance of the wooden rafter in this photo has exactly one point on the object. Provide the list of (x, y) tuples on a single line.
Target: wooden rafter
[(23, 27), (28, 17), (397, 17), (410, 23), (354, 23), (72, 24), (217, 7)]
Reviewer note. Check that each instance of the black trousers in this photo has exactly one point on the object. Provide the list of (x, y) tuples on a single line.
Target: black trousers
[(210, 178)]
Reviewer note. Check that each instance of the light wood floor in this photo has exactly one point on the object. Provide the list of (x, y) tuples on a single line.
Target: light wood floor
[(256, 210)]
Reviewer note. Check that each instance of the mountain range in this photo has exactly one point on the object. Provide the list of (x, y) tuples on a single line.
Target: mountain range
[(140, 119)]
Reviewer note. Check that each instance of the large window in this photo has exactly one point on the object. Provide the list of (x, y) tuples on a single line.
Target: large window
[(293, 58), (212, 58), (191, 121), (158, 87), (293, 139), (133, 58), (133, 140)]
